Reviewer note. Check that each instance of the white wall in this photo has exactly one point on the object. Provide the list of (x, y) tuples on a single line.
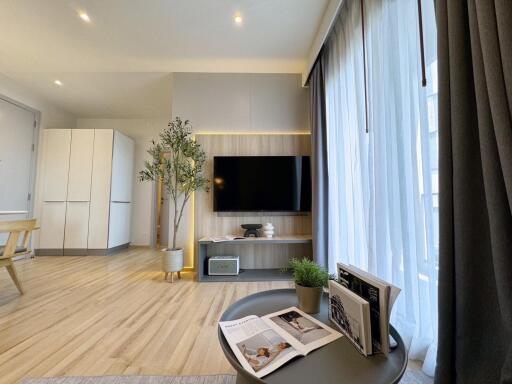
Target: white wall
[(220, 102), (142, 131), (50, 116), (238, 102)]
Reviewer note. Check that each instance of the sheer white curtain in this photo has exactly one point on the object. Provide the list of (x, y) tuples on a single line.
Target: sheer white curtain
[(383, 184)]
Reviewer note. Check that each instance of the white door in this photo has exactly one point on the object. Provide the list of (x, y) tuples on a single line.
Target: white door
[(119, 228), (80, 164), (53, 219), (77, 225), (17, 127), (56, 152), (122, 168), (100, 189)]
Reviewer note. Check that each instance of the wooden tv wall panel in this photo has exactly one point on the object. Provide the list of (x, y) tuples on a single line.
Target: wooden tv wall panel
[(209, 223)]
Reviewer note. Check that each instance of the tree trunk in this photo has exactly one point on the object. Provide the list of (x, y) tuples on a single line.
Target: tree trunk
[(174, 238), (175, 227)]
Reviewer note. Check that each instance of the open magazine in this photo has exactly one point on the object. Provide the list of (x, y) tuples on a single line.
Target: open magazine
[(263, 344), (219, 239), (380, 296)]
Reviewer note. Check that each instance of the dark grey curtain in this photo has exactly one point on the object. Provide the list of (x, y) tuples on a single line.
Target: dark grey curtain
[(319, 164), (475, 133)]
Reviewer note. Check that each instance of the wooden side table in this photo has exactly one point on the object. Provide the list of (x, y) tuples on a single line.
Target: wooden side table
[(336, 363)]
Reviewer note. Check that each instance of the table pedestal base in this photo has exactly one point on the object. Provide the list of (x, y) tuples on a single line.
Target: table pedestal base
[(242, 380)]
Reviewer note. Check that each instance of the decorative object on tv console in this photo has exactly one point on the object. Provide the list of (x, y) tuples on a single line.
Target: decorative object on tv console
[(223, 265), (268, 230), (310, 280), (177, 161), (251, 230)]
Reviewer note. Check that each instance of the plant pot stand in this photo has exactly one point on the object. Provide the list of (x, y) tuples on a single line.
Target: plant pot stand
[(172, 276)]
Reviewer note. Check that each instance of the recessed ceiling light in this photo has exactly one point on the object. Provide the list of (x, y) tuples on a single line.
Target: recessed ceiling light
[(238, 19), (57, 82), (84, 16)]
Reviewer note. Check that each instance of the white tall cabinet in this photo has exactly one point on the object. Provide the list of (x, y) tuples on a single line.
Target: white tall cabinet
[(99, 213), (121, 192), (87, 191)]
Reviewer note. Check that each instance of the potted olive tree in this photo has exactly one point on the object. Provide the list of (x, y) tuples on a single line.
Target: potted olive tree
[(177, 161), (310, 280)]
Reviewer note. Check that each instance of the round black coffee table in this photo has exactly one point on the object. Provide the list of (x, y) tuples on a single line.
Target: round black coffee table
[(335, 363)]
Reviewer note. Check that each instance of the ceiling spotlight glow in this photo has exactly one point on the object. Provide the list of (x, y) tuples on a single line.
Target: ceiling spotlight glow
[(57, 82), (84, 16), (238, 19)]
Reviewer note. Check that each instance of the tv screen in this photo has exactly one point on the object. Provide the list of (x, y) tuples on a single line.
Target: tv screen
[(261, 183)]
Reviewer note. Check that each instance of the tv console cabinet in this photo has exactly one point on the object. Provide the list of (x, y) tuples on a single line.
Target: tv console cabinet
[(248, 274)]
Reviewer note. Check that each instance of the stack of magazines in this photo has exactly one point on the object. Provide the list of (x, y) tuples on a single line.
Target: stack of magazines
[(360, 305)]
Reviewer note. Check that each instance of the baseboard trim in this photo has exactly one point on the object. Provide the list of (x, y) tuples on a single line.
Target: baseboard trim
[(81, 251), (49, 252), (108, 251), (75, 251)]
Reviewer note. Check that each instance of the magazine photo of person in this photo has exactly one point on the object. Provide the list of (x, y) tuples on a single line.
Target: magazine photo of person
[(263, 348), (301, 328)]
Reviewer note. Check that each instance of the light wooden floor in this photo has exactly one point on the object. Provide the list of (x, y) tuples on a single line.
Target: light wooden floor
[(97, 315)]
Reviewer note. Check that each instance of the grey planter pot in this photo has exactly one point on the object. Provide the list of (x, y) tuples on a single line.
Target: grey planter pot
[(309, 298)]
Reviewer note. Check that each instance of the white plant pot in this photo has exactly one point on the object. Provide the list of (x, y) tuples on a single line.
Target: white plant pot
[(172, 261)]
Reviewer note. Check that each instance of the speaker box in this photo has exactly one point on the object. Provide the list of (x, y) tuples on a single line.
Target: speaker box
[(223, 265)]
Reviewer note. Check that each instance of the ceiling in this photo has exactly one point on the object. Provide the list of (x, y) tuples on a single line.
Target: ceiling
[(130, 45), (105, 95)]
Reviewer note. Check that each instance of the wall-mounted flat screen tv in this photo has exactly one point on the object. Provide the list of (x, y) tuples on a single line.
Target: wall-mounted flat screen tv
[(261, 183)]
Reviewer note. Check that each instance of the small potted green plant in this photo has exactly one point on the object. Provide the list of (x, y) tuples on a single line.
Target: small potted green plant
[(310, 280)]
